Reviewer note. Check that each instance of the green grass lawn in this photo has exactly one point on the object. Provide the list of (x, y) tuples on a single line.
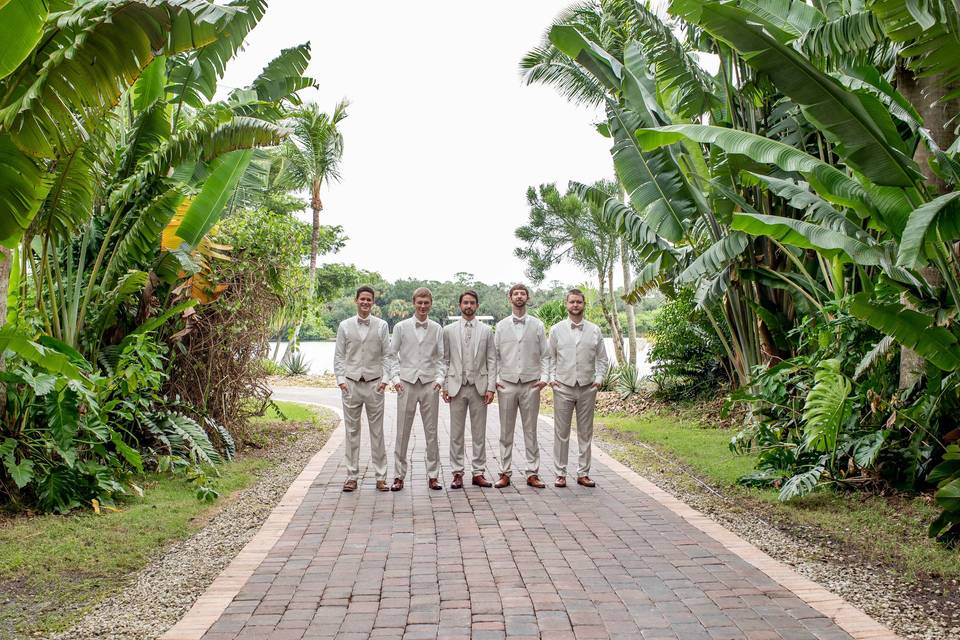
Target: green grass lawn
[(887, 529), (54, 568)]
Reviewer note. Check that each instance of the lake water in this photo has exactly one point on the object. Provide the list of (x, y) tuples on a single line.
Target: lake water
[(320, 355)]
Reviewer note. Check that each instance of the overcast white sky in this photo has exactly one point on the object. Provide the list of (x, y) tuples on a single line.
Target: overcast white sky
[(442, 138)]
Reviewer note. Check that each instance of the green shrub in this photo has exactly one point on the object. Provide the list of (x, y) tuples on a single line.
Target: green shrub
[(686, 352), (296, 364)]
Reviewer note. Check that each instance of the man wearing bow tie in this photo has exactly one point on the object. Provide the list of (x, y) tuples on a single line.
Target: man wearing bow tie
[(470, 364), (522, 371), (362, 364), (578, 363), (418, 376)]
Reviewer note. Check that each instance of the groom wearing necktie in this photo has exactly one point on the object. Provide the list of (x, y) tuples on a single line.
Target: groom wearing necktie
[(522, 371), (418, 348), (470, 365), (578, 363)]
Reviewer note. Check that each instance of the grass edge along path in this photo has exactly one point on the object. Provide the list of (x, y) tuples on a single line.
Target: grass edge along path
[(890, 530), (54, 569)]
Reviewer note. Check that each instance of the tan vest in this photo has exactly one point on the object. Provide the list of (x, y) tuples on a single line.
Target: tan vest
[(364, 356), (419, 361), (520, 360), (575, 363)]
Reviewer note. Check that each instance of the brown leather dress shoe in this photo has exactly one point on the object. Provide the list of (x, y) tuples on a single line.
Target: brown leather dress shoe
[(561, 482), (504, 481), (457, 481), (480, 481), (585, 481), (382, 485), (535, 482), (350, 485), (397, 484), (434, 484)]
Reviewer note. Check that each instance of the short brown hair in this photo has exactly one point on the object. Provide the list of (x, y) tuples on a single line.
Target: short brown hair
[(365, 289), (519, 287), (575, 292), (469, 292), (422, 292)]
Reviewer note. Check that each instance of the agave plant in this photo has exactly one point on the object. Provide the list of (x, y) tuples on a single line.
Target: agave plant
[(296, 364)]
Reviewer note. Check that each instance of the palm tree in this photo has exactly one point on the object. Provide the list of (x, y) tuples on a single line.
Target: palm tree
[(312, 156)]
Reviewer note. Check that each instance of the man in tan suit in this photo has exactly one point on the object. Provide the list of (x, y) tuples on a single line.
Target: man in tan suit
[(362, 364), (470, 364), (522, 371), (578, 363), (418, 376)]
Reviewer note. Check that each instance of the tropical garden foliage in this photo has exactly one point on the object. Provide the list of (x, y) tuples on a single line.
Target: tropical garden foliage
[(804, 191), (118, 157)]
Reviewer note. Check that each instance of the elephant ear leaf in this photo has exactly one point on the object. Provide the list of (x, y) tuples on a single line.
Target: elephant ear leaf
[(910, 328)]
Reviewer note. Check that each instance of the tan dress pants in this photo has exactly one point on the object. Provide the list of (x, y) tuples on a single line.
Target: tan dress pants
[(468, 399), (424, 396), (566, 401), (522, 398), (358, 396)]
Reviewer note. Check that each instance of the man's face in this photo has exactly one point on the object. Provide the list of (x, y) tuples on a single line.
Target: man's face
[(519, 298), (468, 306), (423, 304), (364, 303), (575, 305)]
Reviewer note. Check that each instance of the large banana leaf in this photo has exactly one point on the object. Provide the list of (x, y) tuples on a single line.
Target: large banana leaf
[(193, 80), (848, 40), (21, 24), (93, 53), (25, 185), (69, 203), (654, 182), (208, 205), (929, 31), (681, 83), (860, 127), (603, 66), (935, 221), (283, 76), (831, 183), (911, 329), (646, 243), (715, 258), (804, 235), (795, 18), (816, 208)]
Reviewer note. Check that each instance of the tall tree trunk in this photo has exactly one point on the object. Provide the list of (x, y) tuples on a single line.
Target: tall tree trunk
[(926, 94), (605, 308), (614, 312), (627, 287), (6, 264), (317, 205)]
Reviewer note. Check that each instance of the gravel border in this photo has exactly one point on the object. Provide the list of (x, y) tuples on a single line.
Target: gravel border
[(915, 612), (160, 594)]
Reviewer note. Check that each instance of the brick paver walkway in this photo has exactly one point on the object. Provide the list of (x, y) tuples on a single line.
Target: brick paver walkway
[(610, 562)]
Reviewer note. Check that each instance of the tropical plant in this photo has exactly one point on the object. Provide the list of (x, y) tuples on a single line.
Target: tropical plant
[(568, 227), (820, 194)]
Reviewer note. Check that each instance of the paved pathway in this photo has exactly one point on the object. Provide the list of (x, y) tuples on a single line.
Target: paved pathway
[(623, 560)]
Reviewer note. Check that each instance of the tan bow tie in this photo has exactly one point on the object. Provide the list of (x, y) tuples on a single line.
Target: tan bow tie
[(364, 321), (517, 320), (421, 325), (574, 325)]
